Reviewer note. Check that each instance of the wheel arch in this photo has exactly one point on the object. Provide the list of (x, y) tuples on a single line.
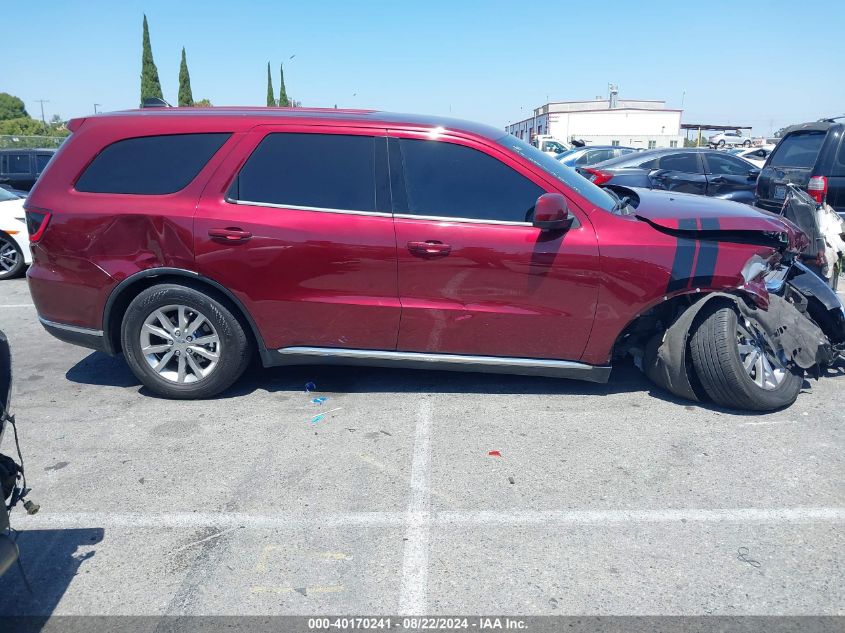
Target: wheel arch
[(663, 351), (123, 294)]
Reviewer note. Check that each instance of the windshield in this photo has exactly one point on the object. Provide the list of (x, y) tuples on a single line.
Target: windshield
[(6, 195), (555, 168)]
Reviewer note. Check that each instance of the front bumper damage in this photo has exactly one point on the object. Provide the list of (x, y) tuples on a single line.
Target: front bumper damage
[(801, 343)]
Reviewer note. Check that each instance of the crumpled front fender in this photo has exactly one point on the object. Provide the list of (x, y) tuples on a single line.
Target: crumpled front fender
[(666, 360)]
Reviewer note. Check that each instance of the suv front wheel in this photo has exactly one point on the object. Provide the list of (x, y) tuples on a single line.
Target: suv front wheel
[(182, 343), (736, 362)]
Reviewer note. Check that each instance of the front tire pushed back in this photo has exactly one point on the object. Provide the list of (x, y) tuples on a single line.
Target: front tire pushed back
[(721, 343), (183, 344)]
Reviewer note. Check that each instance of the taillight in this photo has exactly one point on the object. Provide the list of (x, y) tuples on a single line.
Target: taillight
[(598, 177), (817, 188), (36, 224)]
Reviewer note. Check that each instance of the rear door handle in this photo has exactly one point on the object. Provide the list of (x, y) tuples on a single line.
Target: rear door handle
[(230, 234), (430, 248)]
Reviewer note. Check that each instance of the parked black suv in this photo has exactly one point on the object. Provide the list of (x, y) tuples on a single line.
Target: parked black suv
[(20, 168), (810, 156)]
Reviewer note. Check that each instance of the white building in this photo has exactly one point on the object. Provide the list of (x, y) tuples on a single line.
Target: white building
[(631, 122)]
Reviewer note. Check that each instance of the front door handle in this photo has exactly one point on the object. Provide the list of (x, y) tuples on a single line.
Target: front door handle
[(431, 248), (230, 234)]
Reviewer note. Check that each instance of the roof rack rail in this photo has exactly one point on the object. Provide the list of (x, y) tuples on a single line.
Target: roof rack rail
[(155, 102), (831, 119)]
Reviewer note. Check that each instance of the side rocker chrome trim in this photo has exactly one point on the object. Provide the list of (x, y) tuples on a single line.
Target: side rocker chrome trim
[(450, 362), (70, 328)]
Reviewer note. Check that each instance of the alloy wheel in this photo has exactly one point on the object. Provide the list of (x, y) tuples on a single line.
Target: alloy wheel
[(9, 255), (180, 344), (760, 362)]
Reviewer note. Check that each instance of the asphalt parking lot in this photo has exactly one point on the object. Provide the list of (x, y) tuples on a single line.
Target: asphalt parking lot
[(606, 499)]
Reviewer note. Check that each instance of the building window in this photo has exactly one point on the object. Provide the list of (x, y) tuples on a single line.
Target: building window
[(673, 143), (652, 144), (614, 143)]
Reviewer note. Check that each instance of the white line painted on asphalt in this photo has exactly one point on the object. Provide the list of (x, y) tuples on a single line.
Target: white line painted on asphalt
[(18, 305), (605, 517), (222, 520), (413, 597), (550, 518)]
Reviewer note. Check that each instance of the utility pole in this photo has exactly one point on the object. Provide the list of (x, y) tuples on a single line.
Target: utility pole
[(42, 102), (95, 107)]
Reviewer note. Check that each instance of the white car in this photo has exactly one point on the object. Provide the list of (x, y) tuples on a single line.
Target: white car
[(755, 155), (729, 139), (14, 239)]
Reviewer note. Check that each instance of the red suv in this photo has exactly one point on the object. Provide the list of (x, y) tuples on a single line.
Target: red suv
[(191, 239)]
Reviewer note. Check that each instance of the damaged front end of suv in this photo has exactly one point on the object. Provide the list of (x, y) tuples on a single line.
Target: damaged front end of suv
[(748, 335)]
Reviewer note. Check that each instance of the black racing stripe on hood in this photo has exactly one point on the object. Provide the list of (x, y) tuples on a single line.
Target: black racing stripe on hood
[(708, 251), (684, 256)]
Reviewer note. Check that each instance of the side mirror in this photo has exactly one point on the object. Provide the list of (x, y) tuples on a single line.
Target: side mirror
[(753, 173), (551, 213)]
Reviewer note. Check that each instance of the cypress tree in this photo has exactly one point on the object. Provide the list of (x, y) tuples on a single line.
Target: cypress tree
[(283, 95), (150, 86), (271, 101), (186, 98)]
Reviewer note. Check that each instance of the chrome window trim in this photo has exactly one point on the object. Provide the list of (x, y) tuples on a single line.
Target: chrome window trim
[(439, 218), (70, 328), (296, 207)]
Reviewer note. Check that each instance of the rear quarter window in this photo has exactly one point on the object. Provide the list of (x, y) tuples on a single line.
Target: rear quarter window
[(150, 165), (798, 150)]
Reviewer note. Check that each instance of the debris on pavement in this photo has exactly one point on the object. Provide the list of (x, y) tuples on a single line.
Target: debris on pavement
[(320, 416), (319, 400), (742, 554), (494, 454)]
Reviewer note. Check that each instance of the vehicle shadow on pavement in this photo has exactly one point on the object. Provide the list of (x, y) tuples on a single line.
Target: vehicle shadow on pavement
[(50, 560), (101, 369)]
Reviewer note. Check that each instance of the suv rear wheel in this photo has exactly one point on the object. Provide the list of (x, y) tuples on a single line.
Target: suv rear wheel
[(736, 363), (11, 257), (182, 343)]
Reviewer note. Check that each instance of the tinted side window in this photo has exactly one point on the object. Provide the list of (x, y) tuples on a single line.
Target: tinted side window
[(150, 165), (326, 171), (798, 150), (17, 163), (839, 163), (718, 164), (686, 163), (447, 180), (41, 161), (600, 155)]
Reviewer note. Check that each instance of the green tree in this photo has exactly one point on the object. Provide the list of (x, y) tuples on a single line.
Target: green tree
[(271, 100), (283, 95), (23, 126), (186, 98), (150, 85), (203, 103), (11, 107)]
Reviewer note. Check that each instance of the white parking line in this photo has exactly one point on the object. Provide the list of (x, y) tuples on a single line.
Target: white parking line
[(413, 598), (18, 305), (426, 519)]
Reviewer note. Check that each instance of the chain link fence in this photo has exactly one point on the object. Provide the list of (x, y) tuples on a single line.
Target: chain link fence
[(15, 141)]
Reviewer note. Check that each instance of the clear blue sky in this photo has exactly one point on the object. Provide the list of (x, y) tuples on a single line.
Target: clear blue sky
[(765, 64)]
